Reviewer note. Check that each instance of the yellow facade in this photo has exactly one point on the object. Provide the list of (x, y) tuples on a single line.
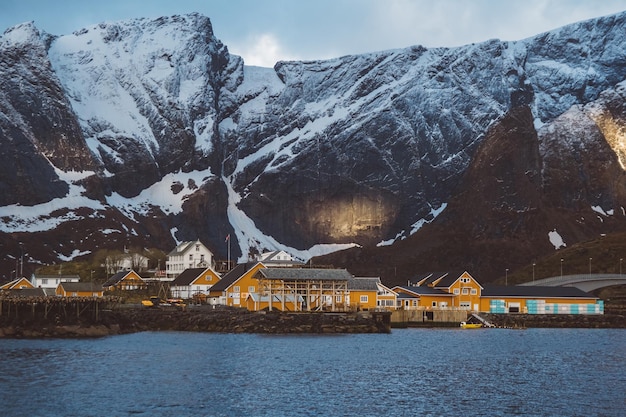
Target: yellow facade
[(466, 291), (237, 293), (63, 293), (18, 284), (131, 281), (363, 300), (520, 304), (208, 277)]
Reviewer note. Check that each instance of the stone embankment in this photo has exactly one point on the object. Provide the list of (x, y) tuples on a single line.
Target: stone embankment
[(616, 321), (225, 320)]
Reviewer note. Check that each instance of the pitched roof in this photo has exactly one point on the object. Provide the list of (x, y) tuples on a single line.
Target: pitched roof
[(15, 284), (80, 287), (303, 274), (233, 275), (271, 258), (188, 276), (363, 283), (424, 290), (183, 247), (533, 291), (117, 278)]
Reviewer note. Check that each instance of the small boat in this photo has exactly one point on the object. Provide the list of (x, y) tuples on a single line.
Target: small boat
[(465, 325)]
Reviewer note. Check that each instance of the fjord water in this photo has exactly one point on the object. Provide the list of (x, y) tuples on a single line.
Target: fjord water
[(433, 372)]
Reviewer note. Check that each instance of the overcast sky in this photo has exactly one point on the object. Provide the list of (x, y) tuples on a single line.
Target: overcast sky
[(265, 31)]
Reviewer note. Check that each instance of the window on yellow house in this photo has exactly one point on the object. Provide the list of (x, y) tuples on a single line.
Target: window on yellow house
[(456, 291), (465, 291), (363, 299), (251, 288), (236, 288), (473, 291)]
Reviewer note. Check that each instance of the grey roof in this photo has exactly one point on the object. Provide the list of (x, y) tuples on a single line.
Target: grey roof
[(306, 274), (424, 290), (80, 287), (233, 275), (364, 283), (116, 278), (182, 247), (188, 276), (533, 291)]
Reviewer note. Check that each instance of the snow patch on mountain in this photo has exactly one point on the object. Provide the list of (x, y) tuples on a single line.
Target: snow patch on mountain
[(169, 194), (47, 216), (556, 239), (250, 237)]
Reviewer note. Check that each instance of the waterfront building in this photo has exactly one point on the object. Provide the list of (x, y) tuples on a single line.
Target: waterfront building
[(233, 288), (17, 284), (79, 289), (368, 293), (194, 282), (187, 255), (124, 281), (52, 281), (461, 291)]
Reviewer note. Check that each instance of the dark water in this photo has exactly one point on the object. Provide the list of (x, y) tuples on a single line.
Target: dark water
[(534, 372)]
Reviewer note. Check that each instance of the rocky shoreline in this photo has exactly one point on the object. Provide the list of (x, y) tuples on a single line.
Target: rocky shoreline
[(582, 321), (230, 320), (221, 320)]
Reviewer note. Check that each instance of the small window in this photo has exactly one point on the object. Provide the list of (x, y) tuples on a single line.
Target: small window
[(191, 257), (434, 304), (465, 291), (473, 291), (236, 288), (363, 299), (251, 288), (456, 291)]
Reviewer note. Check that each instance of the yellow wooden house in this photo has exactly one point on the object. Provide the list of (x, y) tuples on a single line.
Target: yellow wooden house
[(456, 289), (125, 281), (194, 282), (235, 286), (538, 300), (368, 293), (79, 289), (17, 284), (465, 289), (460, 290)]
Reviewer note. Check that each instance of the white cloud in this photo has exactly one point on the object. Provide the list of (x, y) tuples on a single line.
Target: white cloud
[(262, 50)]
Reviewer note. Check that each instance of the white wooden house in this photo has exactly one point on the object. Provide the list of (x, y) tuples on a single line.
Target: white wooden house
[(185, 256), (52, 281)]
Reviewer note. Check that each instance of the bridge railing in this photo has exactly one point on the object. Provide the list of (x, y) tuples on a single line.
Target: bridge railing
[(556, 281)]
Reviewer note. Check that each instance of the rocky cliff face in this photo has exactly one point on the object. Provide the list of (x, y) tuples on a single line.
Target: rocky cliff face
[(150, 131)]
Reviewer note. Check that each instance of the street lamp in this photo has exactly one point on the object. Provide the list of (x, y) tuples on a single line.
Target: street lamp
[(620, 266), (21, 259), (590, 267), (506, 276), (561, 267), (534, 271)]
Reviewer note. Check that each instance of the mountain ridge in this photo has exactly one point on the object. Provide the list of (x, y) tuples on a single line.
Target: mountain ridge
[(165, 131)]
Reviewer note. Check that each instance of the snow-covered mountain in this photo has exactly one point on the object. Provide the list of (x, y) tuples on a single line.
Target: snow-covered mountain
[(150, 132)]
